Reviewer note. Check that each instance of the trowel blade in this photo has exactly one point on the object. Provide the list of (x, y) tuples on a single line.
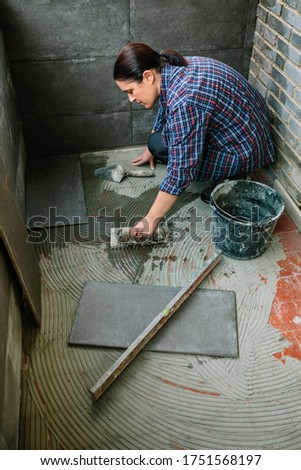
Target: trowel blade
[(112, 173)]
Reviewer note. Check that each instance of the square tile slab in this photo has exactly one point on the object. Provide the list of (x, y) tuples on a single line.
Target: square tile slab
[(113, 315)]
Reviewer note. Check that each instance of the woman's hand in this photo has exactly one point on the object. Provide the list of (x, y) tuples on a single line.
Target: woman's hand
[(144, 228), (145, 157)]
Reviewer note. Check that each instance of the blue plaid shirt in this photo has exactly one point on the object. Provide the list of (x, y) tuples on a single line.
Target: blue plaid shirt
[(213, 121)]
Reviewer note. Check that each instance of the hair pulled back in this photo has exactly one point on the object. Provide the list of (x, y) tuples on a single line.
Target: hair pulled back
[(136, 57)]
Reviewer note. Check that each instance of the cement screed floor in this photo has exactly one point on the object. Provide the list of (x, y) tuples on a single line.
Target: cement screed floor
[(163, 400)]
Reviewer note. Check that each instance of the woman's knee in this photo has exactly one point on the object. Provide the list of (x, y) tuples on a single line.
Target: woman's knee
[(156, 147)]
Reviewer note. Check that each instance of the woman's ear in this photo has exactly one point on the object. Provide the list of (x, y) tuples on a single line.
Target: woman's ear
[(148, 76)]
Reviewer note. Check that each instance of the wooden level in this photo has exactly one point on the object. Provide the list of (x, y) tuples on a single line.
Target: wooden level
[(138, 344)]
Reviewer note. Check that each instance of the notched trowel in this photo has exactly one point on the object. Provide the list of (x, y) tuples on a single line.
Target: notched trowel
[(117, 173), (121, 238)]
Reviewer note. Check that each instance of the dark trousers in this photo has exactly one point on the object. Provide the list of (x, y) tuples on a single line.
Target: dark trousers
[(157, 149)]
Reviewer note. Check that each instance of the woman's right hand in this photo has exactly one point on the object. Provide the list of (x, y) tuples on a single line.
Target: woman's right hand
[(143, 158), (144, 228)]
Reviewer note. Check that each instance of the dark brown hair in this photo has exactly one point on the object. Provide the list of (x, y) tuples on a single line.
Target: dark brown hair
[(136, 57)]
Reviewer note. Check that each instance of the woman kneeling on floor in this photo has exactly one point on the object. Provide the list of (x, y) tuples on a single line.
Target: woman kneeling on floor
[(212, 124)]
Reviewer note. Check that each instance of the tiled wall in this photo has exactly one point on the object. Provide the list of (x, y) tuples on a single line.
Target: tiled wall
[(275, 71), (12, 149), (62, 55), (12, 168)]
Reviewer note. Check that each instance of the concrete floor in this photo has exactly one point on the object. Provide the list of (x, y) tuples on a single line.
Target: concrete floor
[(164, 401)]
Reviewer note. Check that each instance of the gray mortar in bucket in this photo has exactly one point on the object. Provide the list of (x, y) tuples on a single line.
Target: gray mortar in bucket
[(244, 217)]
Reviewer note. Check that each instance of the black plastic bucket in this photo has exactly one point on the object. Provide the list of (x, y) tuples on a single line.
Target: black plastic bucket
[(244, 217)]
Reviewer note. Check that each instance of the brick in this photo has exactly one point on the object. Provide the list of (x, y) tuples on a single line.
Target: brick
[(290, 104), (269, 51), (277, 9), (289, 50), (254, 67), (278, 107), (284, 152), (274, 88), (292, 18), (262, 60), (286, 133), (297, 95), (264, 77), (298, 149), (261, 88), (290, 152), (264, 47), (280, 127), (262, 14), (285, 174), (293, 71), (258, 39), (290, 137), (295, 126), (296, 39), (268, 82), (273, 5), (294, 4), (252, 78), (298, 6), (279, 26), (277, 138), (280, 61), (282, 80), (266, 32)]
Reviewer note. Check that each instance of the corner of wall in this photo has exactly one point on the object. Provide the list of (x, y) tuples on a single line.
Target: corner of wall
[(12, 172), (12, 148)]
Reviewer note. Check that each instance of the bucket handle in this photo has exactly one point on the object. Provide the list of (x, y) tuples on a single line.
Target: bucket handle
[(240, 219)]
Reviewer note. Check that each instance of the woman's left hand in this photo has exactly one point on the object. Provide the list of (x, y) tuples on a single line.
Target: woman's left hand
[(143, 158)]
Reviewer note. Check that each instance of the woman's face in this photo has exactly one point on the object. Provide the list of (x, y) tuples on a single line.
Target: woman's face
[(145, 93)]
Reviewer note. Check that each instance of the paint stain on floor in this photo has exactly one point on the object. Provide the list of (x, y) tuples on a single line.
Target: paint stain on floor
[(286, 308)]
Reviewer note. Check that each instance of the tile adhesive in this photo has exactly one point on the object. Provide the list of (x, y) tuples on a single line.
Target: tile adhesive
[(163, 400)]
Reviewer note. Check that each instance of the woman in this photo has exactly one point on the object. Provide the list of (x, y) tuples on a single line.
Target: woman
[(212, 124)]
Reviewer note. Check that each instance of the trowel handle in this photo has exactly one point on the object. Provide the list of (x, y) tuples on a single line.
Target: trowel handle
[(140, 173)]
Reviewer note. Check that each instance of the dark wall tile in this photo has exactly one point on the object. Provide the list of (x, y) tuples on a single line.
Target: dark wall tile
[(142, 125), (193, 25), (67, 87), (10, 129), (63, 135), (45, 30), (62, 56), (232, 57)]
